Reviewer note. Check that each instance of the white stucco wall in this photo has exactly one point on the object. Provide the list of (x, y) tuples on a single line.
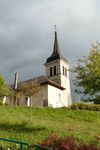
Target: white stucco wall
[(54, 97), (65, 82), (61, 79)]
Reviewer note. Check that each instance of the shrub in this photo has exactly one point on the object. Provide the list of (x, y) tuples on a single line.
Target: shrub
[(68, 143), (88, 147), (56, 143), (85, 106)]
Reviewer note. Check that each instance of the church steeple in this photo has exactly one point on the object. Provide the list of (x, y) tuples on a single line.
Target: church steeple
[(56, 51), (57, 71)]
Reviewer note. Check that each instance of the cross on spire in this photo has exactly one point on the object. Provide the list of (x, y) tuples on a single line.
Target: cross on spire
[(55, 28)]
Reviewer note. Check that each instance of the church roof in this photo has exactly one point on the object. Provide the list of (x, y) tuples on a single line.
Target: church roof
[(45, 80), (56, 52), (42, 80)]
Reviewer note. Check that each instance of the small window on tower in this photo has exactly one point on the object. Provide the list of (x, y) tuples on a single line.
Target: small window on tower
[(66, 72), (50, 71), (63, 70), (55, 72)]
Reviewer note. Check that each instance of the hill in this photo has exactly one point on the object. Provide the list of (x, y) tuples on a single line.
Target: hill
[(20, 124)]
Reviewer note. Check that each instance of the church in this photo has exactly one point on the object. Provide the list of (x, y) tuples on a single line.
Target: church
[(55, 91)]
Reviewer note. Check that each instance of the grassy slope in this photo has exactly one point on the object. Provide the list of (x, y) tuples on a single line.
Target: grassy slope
[(14, 123)]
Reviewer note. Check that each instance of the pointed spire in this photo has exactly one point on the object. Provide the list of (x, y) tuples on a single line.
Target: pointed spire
[(56, 49)]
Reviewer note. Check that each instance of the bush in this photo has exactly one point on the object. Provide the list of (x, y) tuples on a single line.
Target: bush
[(88, 147), (68, 143), (85, 106), (56, 143)]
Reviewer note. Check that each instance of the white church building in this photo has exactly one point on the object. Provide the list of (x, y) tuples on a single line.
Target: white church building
[(55, 91)]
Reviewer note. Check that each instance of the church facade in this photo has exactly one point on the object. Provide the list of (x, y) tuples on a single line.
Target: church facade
[(55, 85)]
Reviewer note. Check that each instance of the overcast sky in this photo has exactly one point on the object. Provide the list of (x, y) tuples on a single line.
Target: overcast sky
[(27, 33)]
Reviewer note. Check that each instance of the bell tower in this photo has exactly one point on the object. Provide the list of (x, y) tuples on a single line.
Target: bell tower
[(57, 70)]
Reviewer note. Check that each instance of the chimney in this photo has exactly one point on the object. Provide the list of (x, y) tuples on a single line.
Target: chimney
[(16, 80)]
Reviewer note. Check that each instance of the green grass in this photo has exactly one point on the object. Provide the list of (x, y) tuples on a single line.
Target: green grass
[(15, 124)]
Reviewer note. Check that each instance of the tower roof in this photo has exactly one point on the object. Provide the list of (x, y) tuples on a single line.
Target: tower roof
[(56, 51)]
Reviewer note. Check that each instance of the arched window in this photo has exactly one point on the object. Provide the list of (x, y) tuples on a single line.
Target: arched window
[(55, 72), (51, 71)]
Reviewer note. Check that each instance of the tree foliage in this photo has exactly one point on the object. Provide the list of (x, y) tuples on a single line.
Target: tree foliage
[(29, 88), (26, 89), (4, 90), (88, 73)]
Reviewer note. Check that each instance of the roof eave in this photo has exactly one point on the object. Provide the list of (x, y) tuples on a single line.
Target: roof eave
[(53, 84)]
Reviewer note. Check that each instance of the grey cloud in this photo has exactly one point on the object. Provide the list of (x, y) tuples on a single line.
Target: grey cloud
[(26, 33)]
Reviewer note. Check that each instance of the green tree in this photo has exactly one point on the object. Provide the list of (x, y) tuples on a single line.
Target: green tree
[(4, 89), (28, 89), (88, 74)]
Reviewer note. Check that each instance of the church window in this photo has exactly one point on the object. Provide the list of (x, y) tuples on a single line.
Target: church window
[(63, 70), (51, 71), (55, 72), (66, 72)]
